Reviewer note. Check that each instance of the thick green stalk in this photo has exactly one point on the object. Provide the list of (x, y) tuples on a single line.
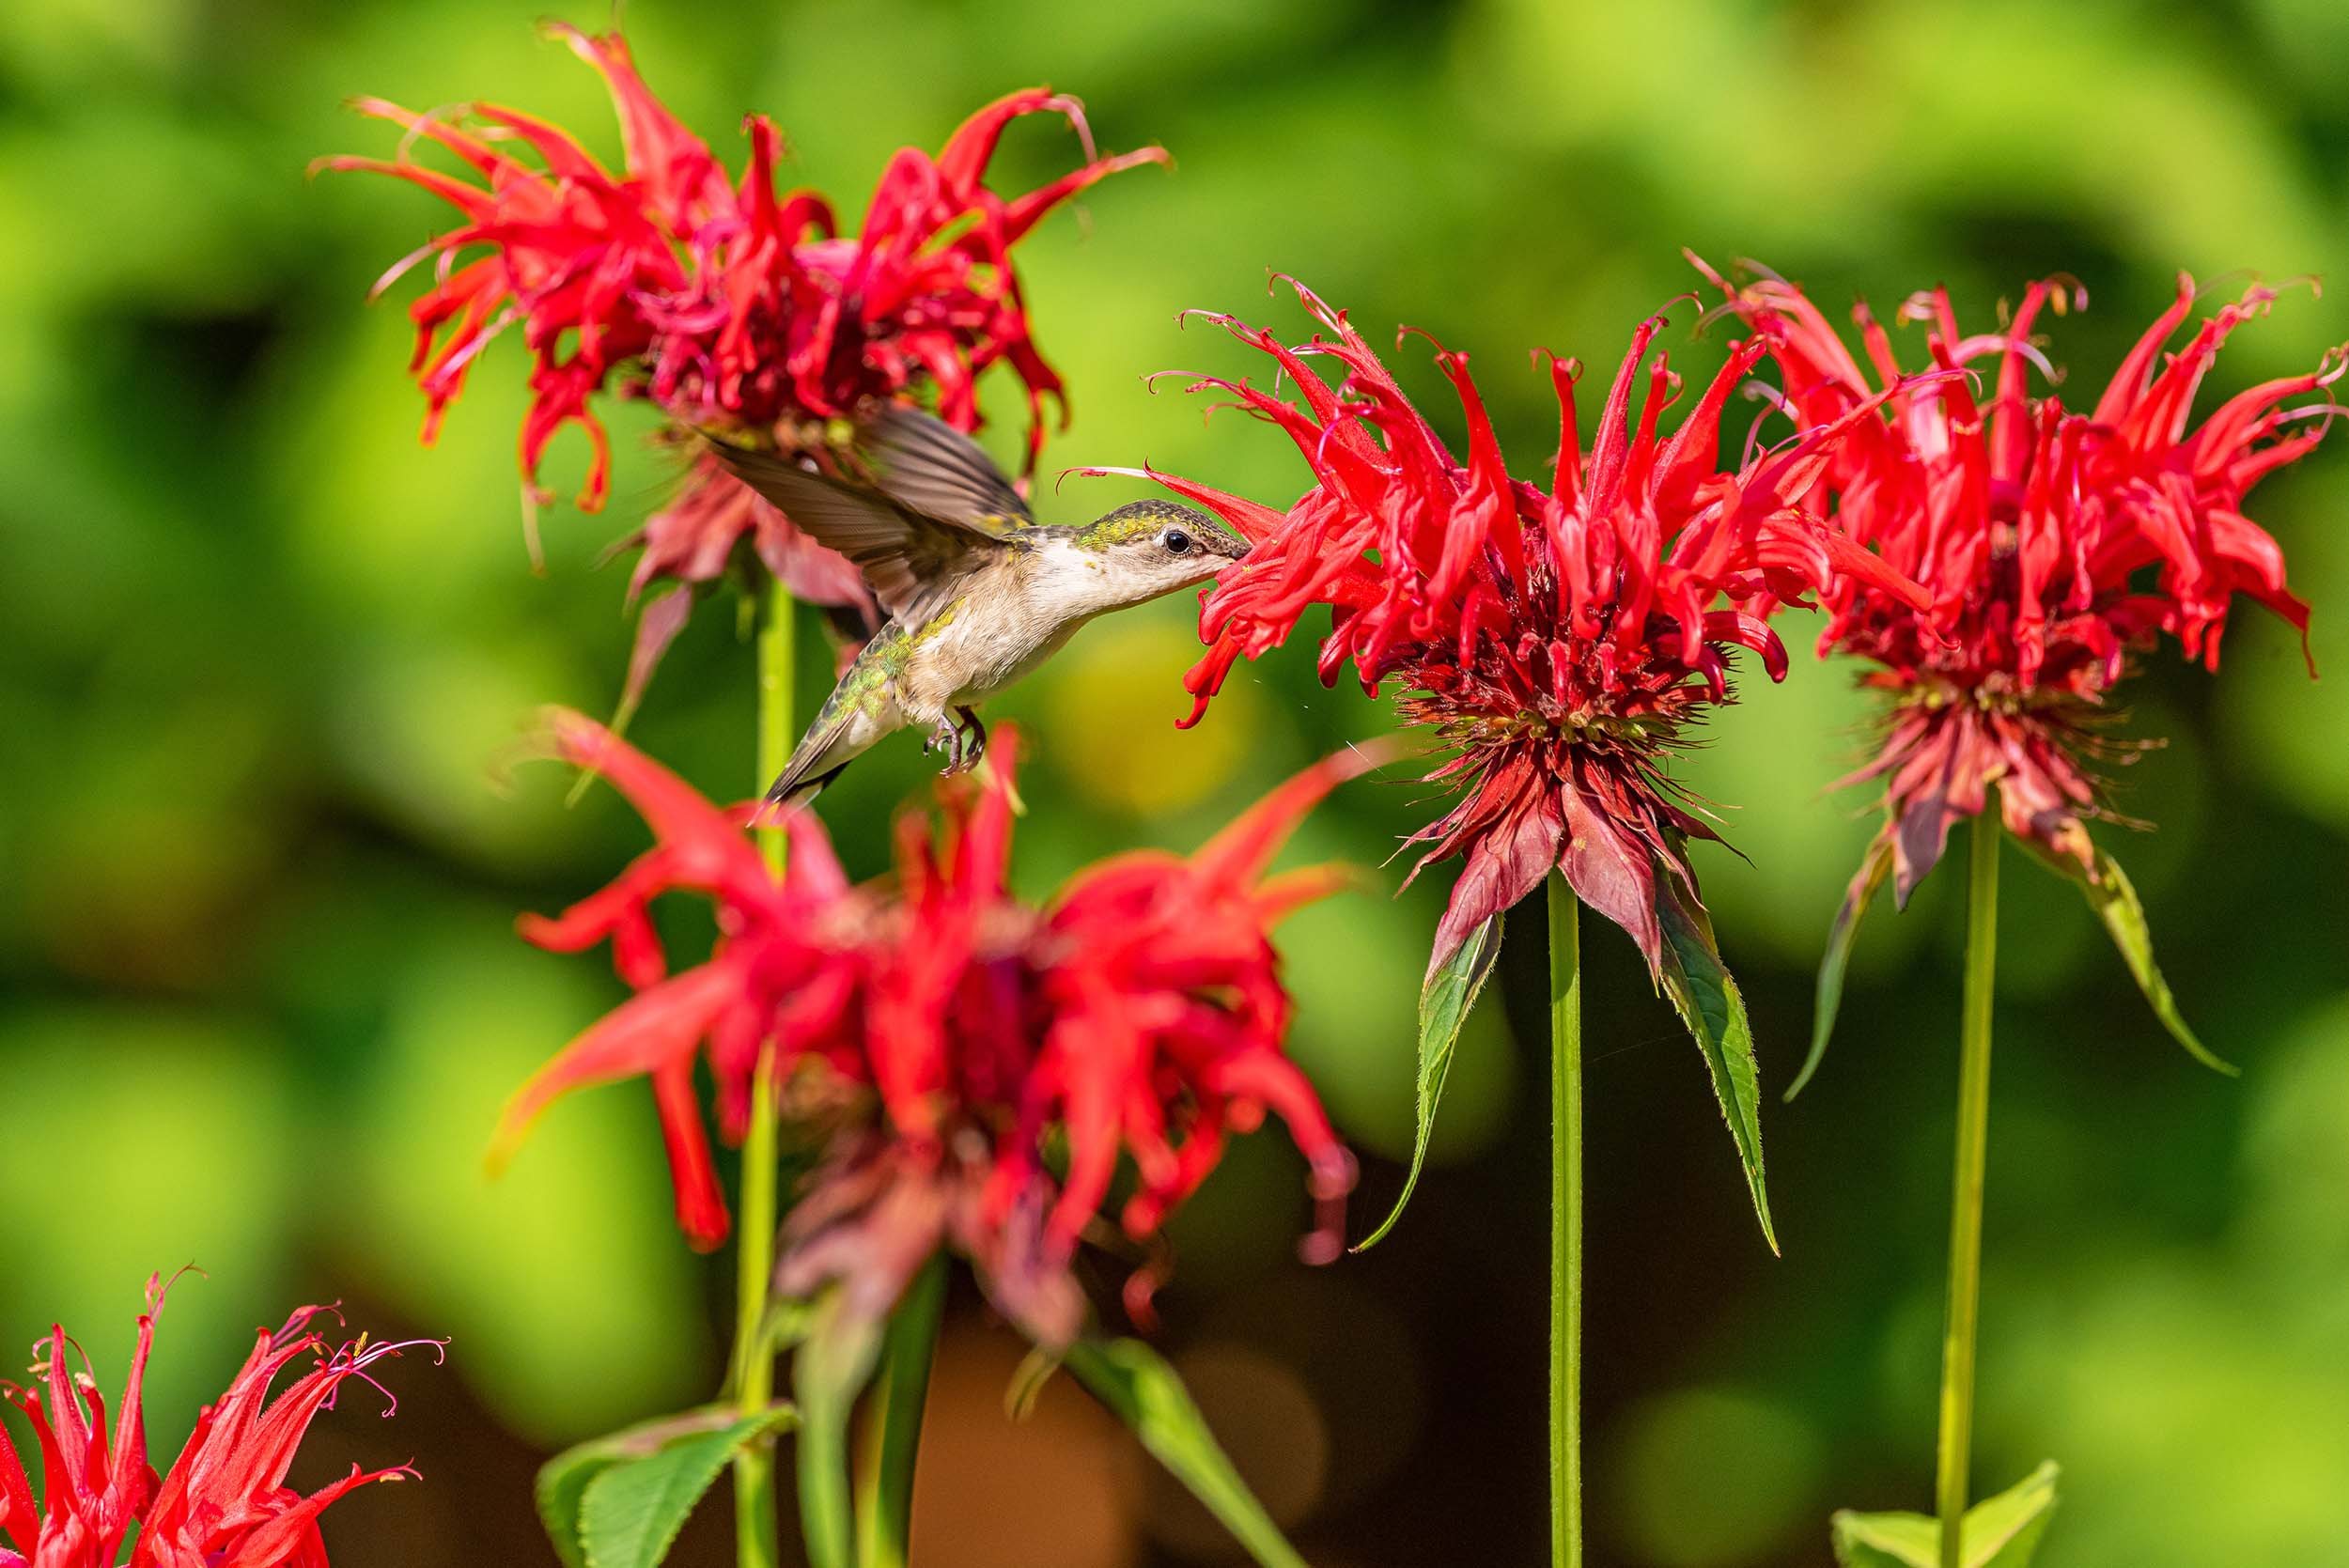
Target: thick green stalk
[(1973, 1137), (884, 1502), (1565, 1227), (757, 1536), (826, 1519)]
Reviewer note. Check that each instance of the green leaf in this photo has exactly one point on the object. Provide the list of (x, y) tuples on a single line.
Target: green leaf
[(1444, 1003), (562, 1485), (1830, 997), (1998, 1533), (1710, 1005), (565, 1481), (1142, 1390), (2115, 901)]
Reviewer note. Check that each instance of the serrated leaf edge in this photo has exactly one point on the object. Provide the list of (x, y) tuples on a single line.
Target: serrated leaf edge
[(743, 1431), (1685, 934), (1828, 994), (2114, 899), (1462, 977)]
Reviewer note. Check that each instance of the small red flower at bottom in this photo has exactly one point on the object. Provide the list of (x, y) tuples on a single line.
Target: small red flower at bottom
[(943, 1036), (224, 1503)]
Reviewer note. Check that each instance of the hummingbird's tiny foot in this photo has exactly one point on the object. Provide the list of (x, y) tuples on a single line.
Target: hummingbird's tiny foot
[(969, 742)]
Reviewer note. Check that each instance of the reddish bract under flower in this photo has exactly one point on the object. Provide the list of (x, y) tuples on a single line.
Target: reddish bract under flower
[(2053, 544), (730, 306), (1557, 638), (1139, 1013), (224, 1503)]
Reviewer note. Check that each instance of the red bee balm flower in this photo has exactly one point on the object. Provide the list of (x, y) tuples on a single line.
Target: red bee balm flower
[(951, 1033), (731, 307), (1560, 640), (2055, 545), (224, 1503)]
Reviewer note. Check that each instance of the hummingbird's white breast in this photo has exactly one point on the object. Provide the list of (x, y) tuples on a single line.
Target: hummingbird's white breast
[(1015, 615)]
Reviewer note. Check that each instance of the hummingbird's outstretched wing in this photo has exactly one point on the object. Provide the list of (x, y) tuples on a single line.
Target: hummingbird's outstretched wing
[(937, 502), (926, 465)]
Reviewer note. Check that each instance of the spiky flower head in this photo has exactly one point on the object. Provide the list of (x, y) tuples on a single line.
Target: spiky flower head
[(224, 1503), (935, 1034), (732, 306), (2057, 546), (1558, 641)]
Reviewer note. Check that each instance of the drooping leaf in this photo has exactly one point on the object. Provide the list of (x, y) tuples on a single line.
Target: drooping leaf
[(562, 1483), (1830, 997), (2002, 1532), (1444, 1003), (1142, 1390), (1709, 1004), (565, 1481), (2114, 899)]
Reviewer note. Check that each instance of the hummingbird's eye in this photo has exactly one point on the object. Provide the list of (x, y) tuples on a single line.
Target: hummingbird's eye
[(1177, 542)]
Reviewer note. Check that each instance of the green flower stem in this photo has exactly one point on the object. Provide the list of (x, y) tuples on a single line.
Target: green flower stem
[(1973, 1137), (777, 733), (1565, 1228), (827, 1520), (757, 1534), (884, 1503), (751, 1374)]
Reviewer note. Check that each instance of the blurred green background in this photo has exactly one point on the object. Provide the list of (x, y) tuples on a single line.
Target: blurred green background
[(260, 655)]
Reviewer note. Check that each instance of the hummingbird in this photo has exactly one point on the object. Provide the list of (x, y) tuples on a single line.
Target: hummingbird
[(977, 591)]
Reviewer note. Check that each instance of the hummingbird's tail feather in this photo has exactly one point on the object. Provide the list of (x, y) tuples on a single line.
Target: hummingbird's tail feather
[(844, 728), (789, 792)]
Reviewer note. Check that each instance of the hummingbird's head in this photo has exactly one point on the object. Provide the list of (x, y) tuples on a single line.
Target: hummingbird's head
[(1155, 547)]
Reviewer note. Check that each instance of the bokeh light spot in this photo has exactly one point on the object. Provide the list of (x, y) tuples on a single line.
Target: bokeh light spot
[(1714, 1475), (1111, 706)]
